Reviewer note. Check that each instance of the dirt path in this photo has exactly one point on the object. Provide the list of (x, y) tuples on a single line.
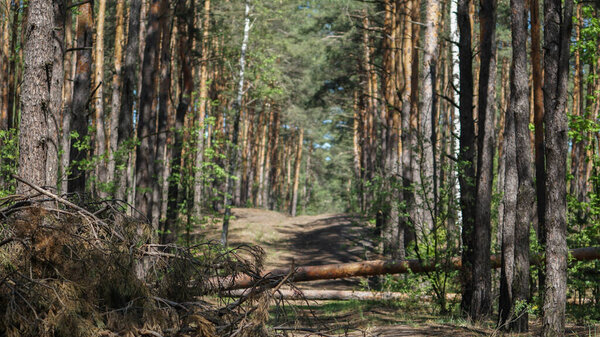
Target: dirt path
[(339, 238), (302, 240)]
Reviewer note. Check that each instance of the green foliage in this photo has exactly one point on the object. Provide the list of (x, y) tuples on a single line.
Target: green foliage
[(9, 156)]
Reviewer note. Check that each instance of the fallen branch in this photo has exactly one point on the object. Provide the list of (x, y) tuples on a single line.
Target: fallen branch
[(69, 204)]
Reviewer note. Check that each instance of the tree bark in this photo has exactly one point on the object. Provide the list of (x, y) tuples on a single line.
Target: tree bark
[(427, 109), (202, 108), (100, 151), (297, 164), (233, 149), (69, 70), (35, 94), (81, 98), (467, 150), (481, 302), (520, 161), (185, 30), (128, 92), (557, 33), (526, 192), (146, 127), (57, 81), (164, 103), (538, 117), (115, 109)]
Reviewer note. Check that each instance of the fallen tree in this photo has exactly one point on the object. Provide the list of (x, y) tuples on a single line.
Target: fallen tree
[(311, 294), (379, 267)]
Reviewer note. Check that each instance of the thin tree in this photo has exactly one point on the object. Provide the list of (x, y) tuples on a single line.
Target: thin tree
[(100, 143), (237, 104), (57, 78), (115, 107), (202, 108), (297, 164)]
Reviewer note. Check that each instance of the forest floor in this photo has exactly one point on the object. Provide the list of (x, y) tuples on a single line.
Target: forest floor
[(339, 238)]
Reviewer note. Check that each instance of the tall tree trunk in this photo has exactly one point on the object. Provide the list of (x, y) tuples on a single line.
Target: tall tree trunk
[(481, 302), (69, 70), (557, 33), (35, 94), (146, 126), (100, 151), (518, 283), (233, 149), (4, 61), (128, 93), (427, 110), (12, 66), (526, 193), (186, 31), (57, 80), (466, 156), (115, 109), (297, 164), (81, 97), (202, 107), (538, 117), (164, 103), (511, 185)]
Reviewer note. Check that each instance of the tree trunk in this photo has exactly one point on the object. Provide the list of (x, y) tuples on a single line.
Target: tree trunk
[(164, 103), (233, 149), (511, 183), (467, 151), (4, 61), (116, 93), (11, 110), (557, 33), (186, 31), (67, 94), (53, 119), (481, 302), (202, 107), (516, 287), (101, 169), (297, 164), (35, 95), (81, 98), (526, 193), (128, 93), (538, 117), (146, 126), (427, 110)]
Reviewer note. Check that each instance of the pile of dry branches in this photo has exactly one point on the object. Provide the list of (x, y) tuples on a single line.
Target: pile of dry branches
[(90, 270)]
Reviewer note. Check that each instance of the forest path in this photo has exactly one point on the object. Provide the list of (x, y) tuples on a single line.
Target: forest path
[(338, 238), (302, 240)]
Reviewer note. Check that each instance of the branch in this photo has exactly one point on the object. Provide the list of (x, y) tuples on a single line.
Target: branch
[(69, 204)]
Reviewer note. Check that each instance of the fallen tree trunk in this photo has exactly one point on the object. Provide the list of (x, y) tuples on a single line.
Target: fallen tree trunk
[(310, 294), (380, 267)]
